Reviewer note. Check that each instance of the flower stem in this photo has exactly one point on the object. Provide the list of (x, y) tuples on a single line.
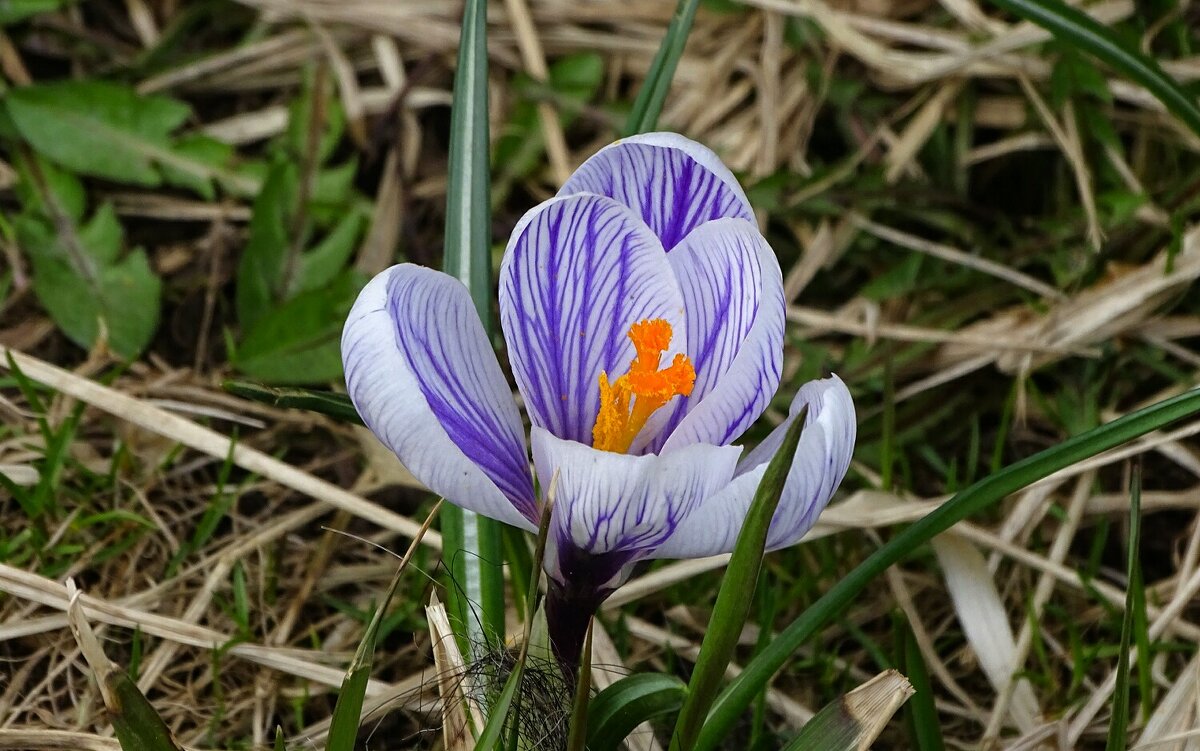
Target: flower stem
[(568, 613)]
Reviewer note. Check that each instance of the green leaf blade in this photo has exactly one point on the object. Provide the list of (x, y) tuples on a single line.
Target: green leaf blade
[(260, 270), (333, 404), (924, 730), (1118, 726), (1080, 30), (347, 712), (299, 341), (737, 697), (90, 286), (473, 547), (627, 703), (643, 118), (109, 130), (468, 211), (734, 597)]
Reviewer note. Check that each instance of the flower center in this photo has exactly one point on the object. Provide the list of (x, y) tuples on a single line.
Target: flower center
[(626, 403)]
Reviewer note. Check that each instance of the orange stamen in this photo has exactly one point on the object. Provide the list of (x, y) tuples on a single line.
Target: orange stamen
[(627, 403)]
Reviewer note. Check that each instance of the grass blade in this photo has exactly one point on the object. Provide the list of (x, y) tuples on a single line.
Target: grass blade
[(734, 597), (468, 238), (629, 702), (854, 721), (1141, 630), (649, 103), (988, 491), (490, 737), (473, 552), (924, 731), (337, 406), (343, 724), (1086, 33), (519, 557), (473, 549), (1118, 726), (577, 736)]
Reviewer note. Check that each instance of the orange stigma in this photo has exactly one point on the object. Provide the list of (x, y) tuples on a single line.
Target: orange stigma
[(627, 403)]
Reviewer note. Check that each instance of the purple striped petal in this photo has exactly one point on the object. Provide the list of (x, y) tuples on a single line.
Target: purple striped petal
[(672, 182), (423, 376), (616, 508), (733, 293), (578, 272), (820, 464)]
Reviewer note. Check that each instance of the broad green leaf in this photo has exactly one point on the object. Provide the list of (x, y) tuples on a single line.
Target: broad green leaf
[(472, 545), (329, 403), (573, 81), (1078, 29), (328, 257), (41, 183), (979, 496), (84, 282), (287, 254), (333, 190), (643, 118), (202, 150), (261, 269), (103, 235), (298, 341), (276, 265), (735, 595), (108, 130), (317, 107), (1119, 206), (629, 702)]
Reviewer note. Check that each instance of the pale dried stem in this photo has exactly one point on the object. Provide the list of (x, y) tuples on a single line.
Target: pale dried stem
[(298, 662), (210, 442), (1041, 595)]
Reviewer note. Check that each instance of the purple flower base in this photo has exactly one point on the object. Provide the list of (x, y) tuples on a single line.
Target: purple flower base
[(571, 603)]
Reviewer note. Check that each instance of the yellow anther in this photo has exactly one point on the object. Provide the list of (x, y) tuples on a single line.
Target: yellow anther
[(627, 403)]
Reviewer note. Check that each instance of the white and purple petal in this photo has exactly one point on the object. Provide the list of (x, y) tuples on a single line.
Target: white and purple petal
[(423, 376), (821, 461), (578, 272), (733, 293), (618, 508), (672, 182)]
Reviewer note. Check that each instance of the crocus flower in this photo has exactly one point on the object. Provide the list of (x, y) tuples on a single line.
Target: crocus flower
[(643, 314)]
